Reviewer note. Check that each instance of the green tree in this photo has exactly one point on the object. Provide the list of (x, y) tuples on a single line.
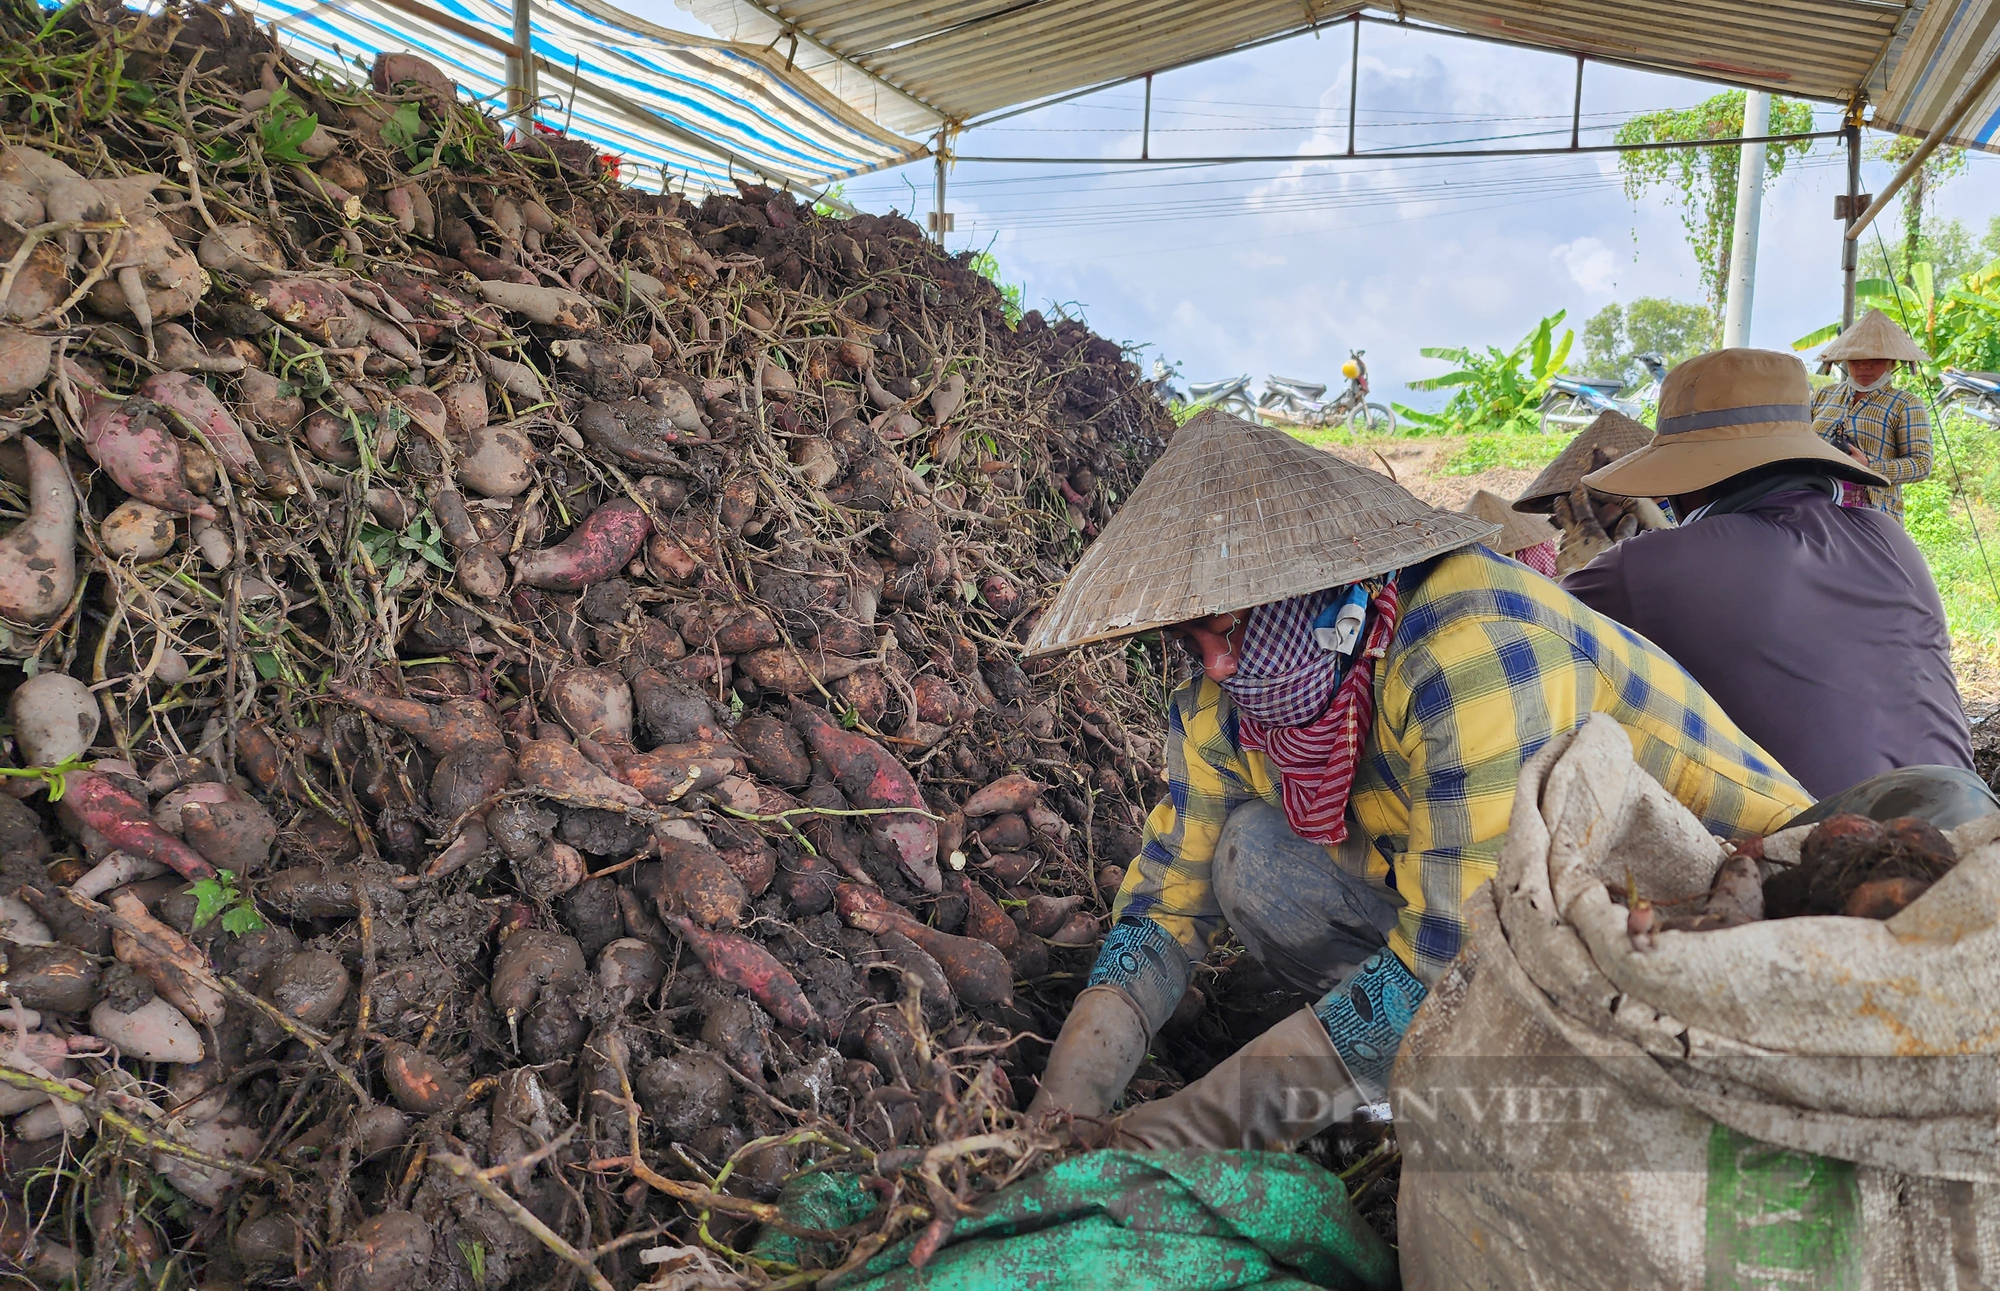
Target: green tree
[(1945, 244), (1703, 180), (1938, 169), (1614, 336), (986, 266), (1989, 245)]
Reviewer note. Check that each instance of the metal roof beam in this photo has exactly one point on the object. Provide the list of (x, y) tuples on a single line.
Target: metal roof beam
[(1401, 154), (793, 29)]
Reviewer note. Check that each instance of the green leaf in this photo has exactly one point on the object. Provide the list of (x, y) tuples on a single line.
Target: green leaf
[(243, 918), (268, 666), (211, 898), (404, 127)]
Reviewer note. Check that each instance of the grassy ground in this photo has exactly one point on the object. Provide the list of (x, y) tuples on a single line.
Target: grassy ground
[(1445, 470)]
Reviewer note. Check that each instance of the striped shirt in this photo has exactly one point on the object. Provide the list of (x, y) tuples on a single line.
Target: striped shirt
[(1489, 662), (1892, 429)]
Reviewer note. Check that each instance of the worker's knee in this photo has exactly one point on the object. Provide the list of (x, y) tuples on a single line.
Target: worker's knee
[(1301, 916), (1945, 796)]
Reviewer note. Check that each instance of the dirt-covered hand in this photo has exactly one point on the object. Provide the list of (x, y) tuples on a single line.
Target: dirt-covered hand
[(1103, 1041)]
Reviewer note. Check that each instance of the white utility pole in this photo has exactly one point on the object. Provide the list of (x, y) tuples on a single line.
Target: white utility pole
[(1749, 208)]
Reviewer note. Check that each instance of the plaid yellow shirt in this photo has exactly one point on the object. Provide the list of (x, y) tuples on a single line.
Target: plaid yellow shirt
[(1489, 662), (1892, 429)]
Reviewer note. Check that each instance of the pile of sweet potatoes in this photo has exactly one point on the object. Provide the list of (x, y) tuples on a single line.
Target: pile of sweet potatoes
[(515, 709)]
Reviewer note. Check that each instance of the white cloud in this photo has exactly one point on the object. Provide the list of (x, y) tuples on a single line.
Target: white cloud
[(1590, 263)]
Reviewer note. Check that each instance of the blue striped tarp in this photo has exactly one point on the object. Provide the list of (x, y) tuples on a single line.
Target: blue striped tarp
[(678, 111)]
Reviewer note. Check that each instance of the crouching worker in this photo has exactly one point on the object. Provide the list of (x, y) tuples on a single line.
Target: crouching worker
[(1342, 769)]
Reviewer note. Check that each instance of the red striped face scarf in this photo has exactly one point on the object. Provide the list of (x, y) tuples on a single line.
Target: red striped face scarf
[(1315, 751)]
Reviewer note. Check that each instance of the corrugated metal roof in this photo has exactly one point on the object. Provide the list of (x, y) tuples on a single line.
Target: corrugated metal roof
[(1951, 42), (674, 107), (912, 66)]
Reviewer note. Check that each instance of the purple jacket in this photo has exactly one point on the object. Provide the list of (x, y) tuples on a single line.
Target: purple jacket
[(1816, 627)]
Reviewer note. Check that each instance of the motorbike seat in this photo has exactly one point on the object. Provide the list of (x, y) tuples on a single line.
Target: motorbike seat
[(1217, 389), (1303, 389), (1989, 380)]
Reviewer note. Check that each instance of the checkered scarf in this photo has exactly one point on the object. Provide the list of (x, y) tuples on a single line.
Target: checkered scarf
[(1541, 558), (1315, 754), (1282, 676)]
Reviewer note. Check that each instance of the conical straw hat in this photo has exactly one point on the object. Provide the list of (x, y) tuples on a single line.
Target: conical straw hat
[(1873, 336), (1613, 432), (1235, 515), (1516, 530)]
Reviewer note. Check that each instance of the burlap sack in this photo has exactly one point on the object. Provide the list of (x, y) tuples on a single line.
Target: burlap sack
[(1795, 1103)]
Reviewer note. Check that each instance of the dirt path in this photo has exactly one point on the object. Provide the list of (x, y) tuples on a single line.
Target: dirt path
[(1417, 465)]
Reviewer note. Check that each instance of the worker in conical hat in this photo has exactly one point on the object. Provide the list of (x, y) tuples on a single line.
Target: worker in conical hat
[(1868, 418), (1527, 537), (1368, 681)]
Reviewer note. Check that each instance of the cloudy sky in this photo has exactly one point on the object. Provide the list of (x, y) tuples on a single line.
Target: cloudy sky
[(1285, 267)]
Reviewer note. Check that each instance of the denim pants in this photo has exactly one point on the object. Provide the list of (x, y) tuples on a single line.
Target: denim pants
[(1309, 922)]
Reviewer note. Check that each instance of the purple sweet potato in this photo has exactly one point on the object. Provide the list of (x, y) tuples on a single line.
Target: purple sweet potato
[(38, 556), (872, 778), (141, 455), (96, 801), (742, 962), (976, 969), (598, 549), (190, 398)]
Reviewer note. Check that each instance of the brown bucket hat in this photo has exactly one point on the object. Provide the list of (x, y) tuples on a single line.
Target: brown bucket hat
[(1236, 514), (1517, 530), (1724, 413), (1613, 432)]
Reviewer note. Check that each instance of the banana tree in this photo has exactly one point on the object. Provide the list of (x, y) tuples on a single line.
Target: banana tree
[(1957, 324), (1491, 391)]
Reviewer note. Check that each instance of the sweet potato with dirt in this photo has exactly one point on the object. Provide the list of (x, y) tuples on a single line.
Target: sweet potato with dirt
[(633, 431), (52, 979), (246, 251), (791, 672), (135, 448), (672, 771), (696, 881), (497, 462), (315, 309), (155, 1031), (558, 768), (96, 801), (38, 556), (775, 751), (419, 1082), (742, 962), (530, 961), (873, 779), (985, 920), (551, 307), (597, 549), (235, 834), (1010, 793), (24, 361), (442, 728), (189, 398), (169, 961), (55, 718), (976, 969), (1005, 833), (156, 279), (595, 703), (330, 892)]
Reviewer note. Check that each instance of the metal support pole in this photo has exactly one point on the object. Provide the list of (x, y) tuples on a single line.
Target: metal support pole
[(939, 218), (1849, 248), (1576, 106), (521, 89), (1749, 210), (1146, 123), (1353, 83)]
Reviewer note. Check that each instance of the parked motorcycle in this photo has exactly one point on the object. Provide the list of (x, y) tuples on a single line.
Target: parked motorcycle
[(1165, 374), (1299, 402), (1572, 403), (1232, 395), (1976, 394)]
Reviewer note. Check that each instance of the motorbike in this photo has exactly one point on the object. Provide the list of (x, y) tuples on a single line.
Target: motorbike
[(1572, 403), (1299, 402), (1231, 395), (1162, 383), (1976, 394)]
